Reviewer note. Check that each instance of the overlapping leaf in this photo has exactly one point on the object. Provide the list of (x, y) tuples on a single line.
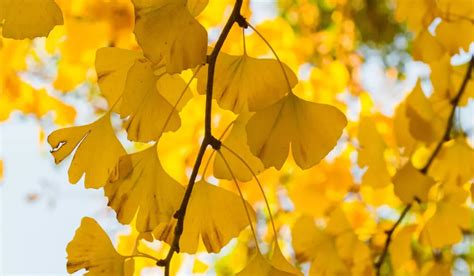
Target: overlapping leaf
[(92, 249), (450, 218), (169, 34), (410, 184), (148, 112), (112, 66), (29, 18), (141, 186), (312, 129), (98, 150), (237, 142), (371, 154), (246, 83), (214, 215)]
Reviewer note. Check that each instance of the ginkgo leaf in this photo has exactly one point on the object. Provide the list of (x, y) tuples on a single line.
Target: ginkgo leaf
[(98, 150), (424, 124), (243, 82), (400, 247), (427, 48), (141, 186), (313, 244), (410, 184), (112, 65), (446, 166), (312, 129), (165, 29), (213, 214), (414, 17), (92, 249), (371, 154), (258, 265), (148, 112), (450, 218), (448, 34), (237, 142), (29, 18), (280, 262)]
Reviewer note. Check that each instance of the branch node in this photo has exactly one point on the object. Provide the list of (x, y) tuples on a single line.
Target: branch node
[(215, 143), (161, 262), (242, 21)]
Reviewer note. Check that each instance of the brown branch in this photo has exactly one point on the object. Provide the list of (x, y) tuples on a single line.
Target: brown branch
[(424, 170), (208, 138)]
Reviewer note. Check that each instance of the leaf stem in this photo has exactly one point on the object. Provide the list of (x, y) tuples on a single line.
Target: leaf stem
[(424, 170), (259, 185), (241, 197), (208, 138), (274, 53)]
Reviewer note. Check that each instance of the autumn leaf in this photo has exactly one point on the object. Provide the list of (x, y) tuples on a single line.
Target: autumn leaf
[(140, 186), (29, 18), (245, 83), (98, 150), (371, 154), (258, 265), (214, 215), (165, 29), (148, 112), (236, 142), (410, 184), (312, 130), (445, 226), (92, 249), (112, 66)]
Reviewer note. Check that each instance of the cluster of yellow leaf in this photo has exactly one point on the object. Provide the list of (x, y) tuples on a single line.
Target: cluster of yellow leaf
[(146, 91), (263, 112)]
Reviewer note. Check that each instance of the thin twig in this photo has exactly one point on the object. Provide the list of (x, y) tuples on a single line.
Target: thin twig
[(424, 170), (208, 138)]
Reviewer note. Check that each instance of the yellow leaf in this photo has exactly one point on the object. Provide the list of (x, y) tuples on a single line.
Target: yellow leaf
[(445, 226), (195, 7), (371, 154), (148, 112), (425, 125), (29, 18), (427, 48), (434, 268), (112, 65), (98, 150), (165, 29), (213, 214), (237, 142), (141, 186), (401, 125), (92, 249), (400, 247), (199, 266), (456, 9), (448, 34), (416, 18), (312, 129), (258, 265), (447, 164), (281, 263), (245, 83), (447, 79), (410, 184), (327, 184)]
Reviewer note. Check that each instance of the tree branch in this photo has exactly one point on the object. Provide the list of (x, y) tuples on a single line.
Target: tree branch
[(208, 138), (424, 170)]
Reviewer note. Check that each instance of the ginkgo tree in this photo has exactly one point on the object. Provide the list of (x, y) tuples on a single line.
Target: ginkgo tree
[(221, 129)]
